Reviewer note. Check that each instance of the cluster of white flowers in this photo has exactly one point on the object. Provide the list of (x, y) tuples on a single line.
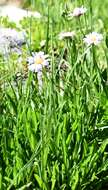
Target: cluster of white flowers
[(11, 40), (93, 38)]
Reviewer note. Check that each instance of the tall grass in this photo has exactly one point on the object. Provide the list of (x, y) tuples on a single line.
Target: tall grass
[(57, 139)]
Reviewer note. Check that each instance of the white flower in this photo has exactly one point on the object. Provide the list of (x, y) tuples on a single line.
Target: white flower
[(37, 61), (78, 11), (64, 35), (93, 38)]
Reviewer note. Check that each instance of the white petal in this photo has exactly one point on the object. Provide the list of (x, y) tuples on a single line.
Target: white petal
[(41, 53), (31, 67), (46, 63), (30, 60), (38, 68)]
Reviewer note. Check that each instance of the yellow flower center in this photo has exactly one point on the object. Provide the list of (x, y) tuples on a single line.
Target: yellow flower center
[(39, 60), (93, 38)]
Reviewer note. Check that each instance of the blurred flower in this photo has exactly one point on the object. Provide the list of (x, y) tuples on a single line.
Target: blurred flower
[(37, 61), (78, 11), (16, 14), (12, 36), (11, 40), (93, 38), (64, 35), (4, 46)]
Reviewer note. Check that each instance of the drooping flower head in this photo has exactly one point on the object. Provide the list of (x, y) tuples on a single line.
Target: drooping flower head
[(37, 61), (65, 35), (93, 38), (78, 11)]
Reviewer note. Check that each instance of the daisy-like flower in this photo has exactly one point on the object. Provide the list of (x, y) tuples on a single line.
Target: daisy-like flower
[(93, 38), (37, 61), (65, 35), (78, 11)]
